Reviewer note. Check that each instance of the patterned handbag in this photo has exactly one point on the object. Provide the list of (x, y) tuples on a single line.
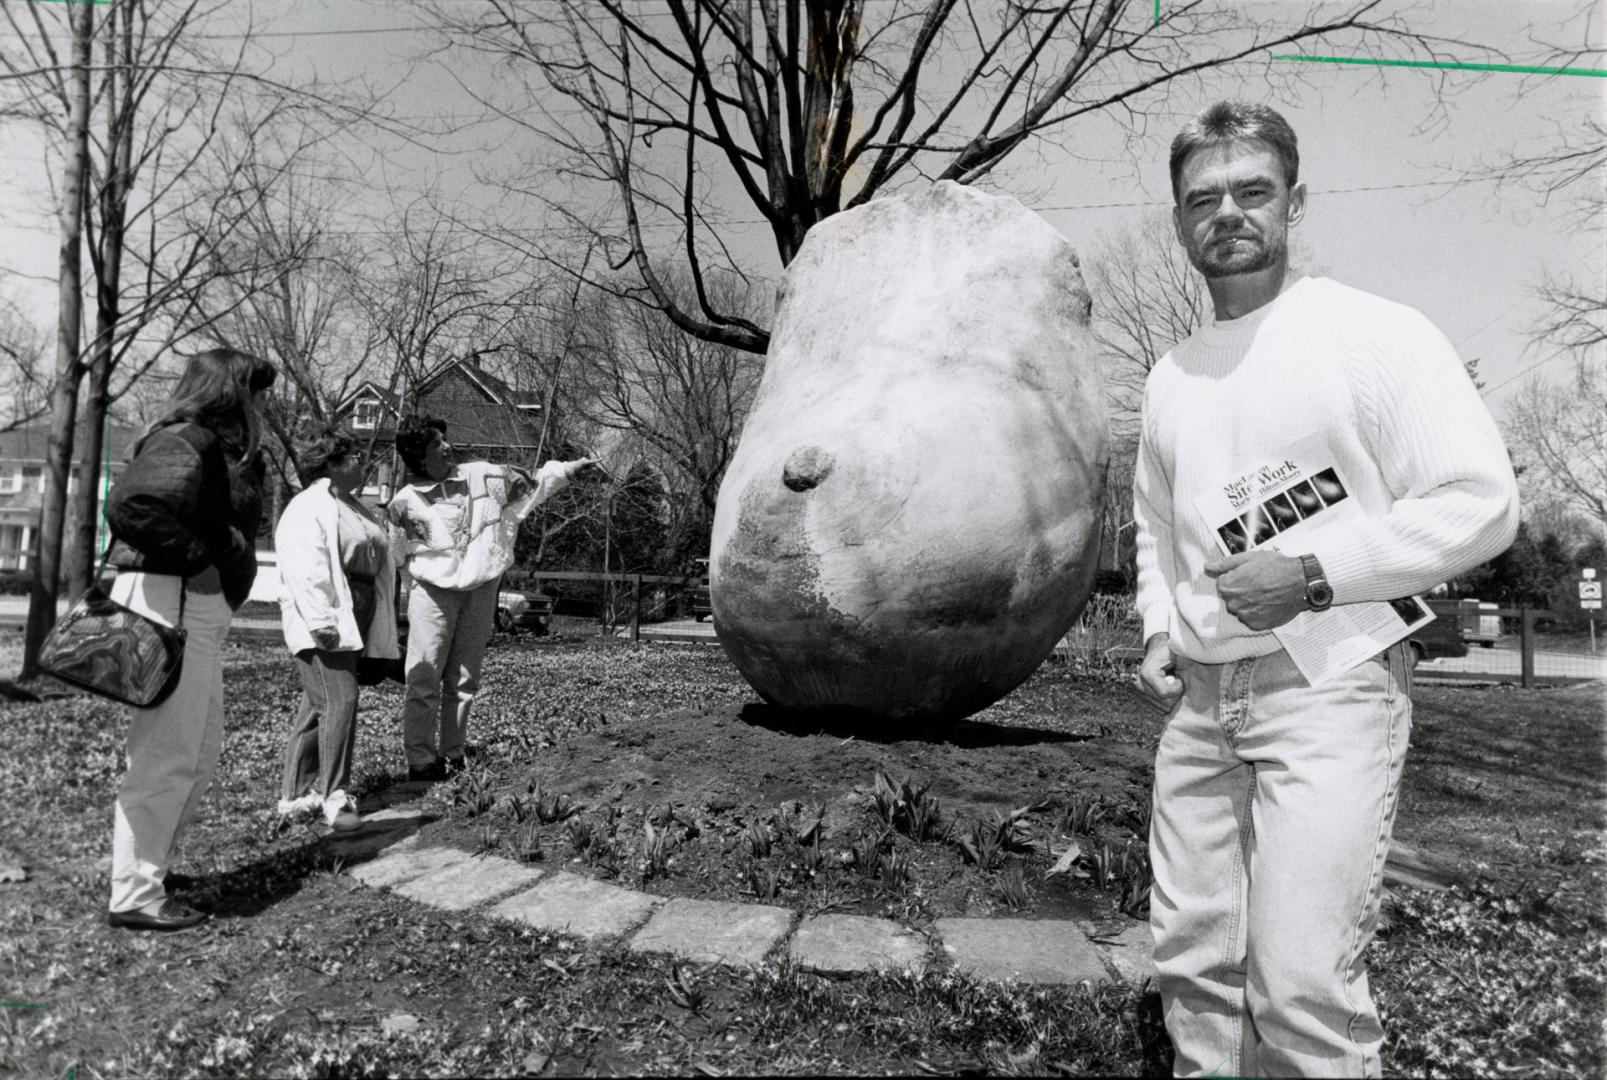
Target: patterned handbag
[(105, 648)]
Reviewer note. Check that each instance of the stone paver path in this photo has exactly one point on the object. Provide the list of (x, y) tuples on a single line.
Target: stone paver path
[(721, 932), (1054, 951), (1045, 951), (714, 931), (844, 944), (575, 904)]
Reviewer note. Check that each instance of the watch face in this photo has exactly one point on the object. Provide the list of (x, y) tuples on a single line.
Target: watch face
[(1320, 594)]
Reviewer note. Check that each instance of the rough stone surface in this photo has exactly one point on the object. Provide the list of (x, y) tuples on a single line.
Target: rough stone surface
[(1130, 953), (571, 904), (714, 931), (911, 520), (1408, 866), (1029, 950), (406, 864), (839, 944), (465, 884), (405, 814)]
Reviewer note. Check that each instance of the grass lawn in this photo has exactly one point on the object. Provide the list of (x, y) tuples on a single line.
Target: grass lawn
[(303, 972)]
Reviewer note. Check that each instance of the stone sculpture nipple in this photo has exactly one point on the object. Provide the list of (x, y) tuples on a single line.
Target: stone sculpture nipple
[(806, 467)]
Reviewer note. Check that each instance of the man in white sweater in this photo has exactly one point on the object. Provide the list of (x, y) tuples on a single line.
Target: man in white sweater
[(459, 523), (1274, 798)]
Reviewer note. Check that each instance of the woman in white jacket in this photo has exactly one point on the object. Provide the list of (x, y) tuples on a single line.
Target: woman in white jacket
[(337, 600)]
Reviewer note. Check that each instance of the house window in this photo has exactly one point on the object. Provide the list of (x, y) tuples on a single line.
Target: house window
[(366, 416), (11, 480), (33, 478)]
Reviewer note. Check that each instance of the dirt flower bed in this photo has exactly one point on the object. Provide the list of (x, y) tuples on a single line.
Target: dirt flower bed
[(655, 766), (1035, 808)]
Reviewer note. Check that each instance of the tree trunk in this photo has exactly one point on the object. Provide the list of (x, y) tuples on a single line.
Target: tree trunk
[(112, 205), (69, 372), (82, 549)]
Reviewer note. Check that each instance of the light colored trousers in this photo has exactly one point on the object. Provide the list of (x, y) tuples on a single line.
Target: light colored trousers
[(1273, 807), (447, 631), (173, 748)]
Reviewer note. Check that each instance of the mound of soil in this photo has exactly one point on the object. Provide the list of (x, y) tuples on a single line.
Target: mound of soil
[(734, 790)]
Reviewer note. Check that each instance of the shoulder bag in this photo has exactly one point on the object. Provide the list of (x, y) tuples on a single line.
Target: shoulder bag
[(115, 652)]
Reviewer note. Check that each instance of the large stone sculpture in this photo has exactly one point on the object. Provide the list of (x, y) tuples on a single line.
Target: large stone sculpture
[(911, 521)]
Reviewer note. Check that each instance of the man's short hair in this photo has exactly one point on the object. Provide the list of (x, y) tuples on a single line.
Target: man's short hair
[(1233, 122), (413, 438), (315, 451)]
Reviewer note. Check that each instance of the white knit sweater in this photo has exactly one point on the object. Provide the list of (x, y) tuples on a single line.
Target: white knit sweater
[(1403, 423)]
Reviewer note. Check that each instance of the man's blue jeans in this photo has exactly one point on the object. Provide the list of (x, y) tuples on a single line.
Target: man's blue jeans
[(1274, 801)]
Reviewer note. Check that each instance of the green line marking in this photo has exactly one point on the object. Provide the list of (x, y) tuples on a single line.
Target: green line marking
[(1157, 12), (1600, 73), (20, 1005)]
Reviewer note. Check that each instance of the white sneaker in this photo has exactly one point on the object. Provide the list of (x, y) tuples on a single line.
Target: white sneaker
[(340, 812), (305, 804)]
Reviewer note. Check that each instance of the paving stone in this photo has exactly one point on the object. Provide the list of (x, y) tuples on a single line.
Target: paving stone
[(1030, 950), (399, 814), (465, 884), (714, 931), (1408, 866), (406, 863), (1131, 953), (837, 944), (573, 904)]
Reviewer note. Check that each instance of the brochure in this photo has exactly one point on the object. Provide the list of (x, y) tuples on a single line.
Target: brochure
[(1279, 505)]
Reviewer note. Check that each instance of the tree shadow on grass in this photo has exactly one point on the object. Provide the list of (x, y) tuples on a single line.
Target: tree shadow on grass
[(257, 886), (851, 723)]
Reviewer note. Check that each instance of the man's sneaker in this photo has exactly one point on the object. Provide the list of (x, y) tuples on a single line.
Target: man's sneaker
[(340, 812), (432, 773), (305, 804)]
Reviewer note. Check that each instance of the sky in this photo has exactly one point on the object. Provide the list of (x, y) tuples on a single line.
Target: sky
[(1385, 155)]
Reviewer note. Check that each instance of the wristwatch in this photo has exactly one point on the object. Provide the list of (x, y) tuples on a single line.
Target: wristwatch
[(1319, 594)]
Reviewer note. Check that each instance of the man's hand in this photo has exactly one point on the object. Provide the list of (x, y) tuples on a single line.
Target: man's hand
[(327, 638), (1261, 589), (1158, 680)]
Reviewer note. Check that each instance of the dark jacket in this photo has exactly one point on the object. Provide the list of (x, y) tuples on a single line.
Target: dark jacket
[(183, 505)]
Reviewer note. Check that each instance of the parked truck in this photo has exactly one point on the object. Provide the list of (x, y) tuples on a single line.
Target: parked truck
[(1477, 626)]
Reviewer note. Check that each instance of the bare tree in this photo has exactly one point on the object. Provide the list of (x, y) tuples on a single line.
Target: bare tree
[(24, 369), (66, 95), (808, 109), (1572, 169), (288, 288), (154, 107), (1558, 430), (1559, 433), (435, 292), (1147, 298), (681, 399)]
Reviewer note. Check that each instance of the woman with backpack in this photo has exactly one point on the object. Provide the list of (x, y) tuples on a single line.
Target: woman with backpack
[(183, 519)]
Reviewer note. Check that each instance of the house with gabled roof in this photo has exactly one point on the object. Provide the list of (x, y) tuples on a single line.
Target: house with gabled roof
[(485, 417), (22, 485)]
